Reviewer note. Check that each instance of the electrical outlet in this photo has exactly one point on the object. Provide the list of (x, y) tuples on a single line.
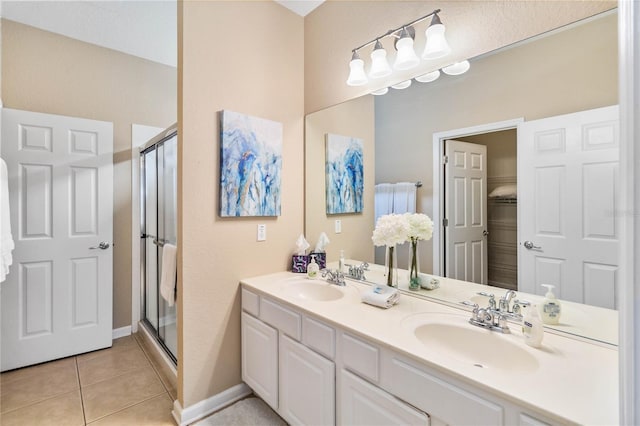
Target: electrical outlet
[(338, 226), (262, 232)]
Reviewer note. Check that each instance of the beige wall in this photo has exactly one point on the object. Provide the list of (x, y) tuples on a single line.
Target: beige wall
[(501, 152), (246, 57), (46, 72), (473, 28), (354, 119)]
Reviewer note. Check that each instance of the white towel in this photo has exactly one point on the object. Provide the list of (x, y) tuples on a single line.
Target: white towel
[(383, 200), (381, 296), (6, 239), (168, 277), (404, 198)]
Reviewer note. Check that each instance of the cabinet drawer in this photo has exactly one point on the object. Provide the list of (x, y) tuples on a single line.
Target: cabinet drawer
[(250, 303), (319, 337), (362, 403), (361, 357), (283, 319), (437, 397)]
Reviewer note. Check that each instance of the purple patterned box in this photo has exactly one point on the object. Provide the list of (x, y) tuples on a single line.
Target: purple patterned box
[(321, 259), (299, 263)]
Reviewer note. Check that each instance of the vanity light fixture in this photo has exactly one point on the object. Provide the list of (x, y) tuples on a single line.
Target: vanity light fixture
[(428, 77), (406, 58), (457, 68), (402, 84)]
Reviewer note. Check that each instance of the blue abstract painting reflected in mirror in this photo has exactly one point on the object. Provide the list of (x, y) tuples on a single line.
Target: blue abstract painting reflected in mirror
[(250, 165), (344, 174)]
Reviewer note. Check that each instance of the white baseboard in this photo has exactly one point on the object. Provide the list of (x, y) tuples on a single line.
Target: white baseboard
[(121, 332), (188, 415)]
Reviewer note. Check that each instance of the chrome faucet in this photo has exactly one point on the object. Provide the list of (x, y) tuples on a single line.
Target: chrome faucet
[(506, 300), (357, 272), (488, 318), (333, 277)]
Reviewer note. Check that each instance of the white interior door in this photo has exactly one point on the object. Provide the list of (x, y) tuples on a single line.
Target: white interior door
[(466, 211), (57, 300), (568, 188)]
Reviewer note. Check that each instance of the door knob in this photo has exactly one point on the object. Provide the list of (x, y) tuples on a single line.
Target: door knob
[(102, 246), (485, 233), (529, 245)]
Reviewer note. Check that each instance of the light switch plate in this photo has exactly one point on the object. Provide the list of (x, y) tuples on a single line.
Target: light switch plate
[(262, 232), (338, 226)]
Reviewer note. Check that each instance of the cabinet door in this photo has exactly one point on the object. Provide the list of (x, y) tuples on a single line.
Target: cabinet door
[(361, 403), (307, 385), (260, 359)]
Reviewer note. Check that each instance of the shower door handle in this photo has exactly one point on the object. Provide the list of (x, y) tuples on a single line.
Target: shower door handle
[(102, 246)]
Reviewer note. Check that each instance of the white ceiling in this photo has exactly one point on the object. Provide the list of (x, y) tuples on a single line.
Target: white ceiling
[(301, 7), (143, 28)]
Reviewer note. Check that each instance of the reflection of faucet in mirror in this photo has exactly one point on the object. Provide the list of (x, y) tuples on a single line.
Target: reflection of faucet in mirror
[(357, 272), (399, 153)]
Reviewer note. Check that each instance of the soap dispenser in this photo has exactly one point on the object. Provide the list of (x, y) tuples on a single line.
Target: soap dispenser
[(312, 268), (532, 327), (341, 262), (550, 309)]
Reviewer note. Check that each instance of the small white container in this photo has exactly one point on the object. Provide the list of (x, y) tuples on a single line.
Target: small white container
[(532, 327), (312, 268), (341, 262), (550, 309)]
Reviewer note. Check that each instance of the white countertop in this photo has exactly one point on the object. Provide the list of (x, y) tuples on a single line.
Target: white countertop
[(575, 381)]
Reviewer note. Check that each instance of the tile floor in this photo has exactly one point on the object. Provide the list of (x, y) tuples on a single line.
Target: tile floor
[(114, 386)]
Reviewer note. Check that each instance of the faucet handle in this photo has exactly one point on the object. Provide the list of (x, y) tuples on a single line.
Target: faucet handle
[(365, 266), (518, 304), (474, 314)]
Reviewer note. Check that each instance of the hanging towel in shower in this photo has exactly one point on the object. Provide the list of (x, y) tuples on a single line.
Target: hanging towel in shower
[(6, 239), (383, 199), (404, 198), (168, 277)]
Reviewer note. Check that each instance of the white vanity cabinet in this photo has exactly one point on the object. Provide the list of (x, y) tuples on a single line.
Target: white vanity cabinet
[(312, 373), (296, 381)]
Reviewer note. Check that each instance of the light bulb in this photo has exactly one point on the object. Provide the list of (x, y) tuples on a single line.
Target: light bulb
[(357, 77), (379, 92), (406, 57), (428, 77), (457, 68), (379, 64), (437, 45), (402, 85)]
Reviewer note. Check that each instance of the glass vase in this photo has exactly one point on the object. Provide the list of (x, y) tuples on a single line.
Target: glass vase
[(391, 265), (414, 266)]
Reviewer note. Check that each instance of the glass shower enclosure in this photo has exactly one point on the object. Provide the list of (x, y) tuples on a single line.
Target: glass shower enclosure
[(158, 226)]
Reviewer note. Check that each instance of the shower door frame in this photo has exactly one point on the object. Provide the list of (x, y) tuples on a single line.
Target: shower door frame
[(153, 144)]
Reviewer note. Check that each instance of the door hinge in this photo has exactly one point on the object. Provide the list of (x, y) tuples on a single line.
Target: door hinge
[(445, 159), (445, 222)]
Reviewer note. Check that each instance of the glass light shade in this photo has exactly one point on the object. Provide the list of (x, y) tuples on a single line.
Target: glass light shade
[(379, 92), (428, 77), (402, 84), (437, 45), (379, 64), (406, 57), (357, 77), (457, 68)]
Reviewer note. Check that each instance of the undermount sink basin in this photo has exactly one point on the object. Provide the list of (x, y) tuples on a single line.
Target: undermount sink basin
[(316, 290), (477, 346)]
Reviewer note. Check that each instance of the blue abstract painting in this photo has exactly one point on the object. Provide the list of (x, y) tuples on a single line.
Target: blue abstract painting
[(344, 174), (250, 165)]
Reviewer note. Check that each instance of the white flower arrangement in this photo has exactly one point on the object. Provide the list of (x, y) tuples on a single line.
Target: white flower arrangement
[(420, 226), (391, 229)]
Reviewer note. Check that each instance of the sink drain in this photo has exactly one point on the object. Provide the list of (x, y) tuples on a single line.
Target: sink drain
[(479, 365)]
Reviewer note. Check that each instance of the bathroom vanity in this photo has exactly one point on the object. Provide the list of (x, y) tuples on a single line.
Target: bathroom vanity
[(318, 356)]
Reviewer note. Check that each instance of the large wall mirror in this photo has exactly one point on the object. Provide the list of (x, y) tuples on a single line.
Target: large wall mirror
[(552, 76)]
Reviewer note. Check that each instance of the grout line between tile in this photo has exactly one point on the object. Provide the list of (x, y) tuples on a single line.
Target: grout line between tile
[(155, 370), (84, 416), (126, 408)]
